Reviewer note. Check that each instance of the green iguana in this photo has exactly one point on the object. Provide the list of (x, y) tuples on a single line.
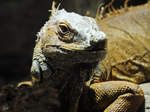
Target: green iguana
[(70, 54)]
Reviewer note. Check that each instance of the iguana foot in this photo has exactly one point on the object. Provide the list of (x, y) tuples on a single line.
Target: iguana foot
[(25, 83)]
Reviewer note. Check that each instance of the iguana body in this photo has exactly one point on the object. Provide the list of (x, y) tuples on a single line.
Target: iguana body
[(128, 48), (69, 54)]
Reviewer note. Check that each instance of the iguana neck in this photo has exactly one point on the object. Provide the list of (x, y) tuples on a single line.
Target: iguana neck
[(72, 88), (63, 76)]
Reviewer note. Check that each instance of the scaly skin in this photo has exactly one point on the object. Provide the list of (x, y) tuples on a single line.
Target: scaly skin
[(113, 96), (128, 47), (69, 54)]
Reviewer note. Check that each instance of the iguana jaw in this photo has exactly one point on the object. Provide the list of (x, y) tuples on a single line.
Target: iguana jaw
[(100, 46), (73, 54)]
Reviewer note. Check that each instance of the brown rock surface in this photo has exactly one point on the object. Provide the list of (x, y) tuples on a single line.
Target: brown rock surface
[(146, 89), (37, 99)]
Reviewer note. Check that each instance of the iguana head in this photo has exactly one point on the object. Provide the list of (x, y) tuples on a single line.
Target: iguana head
[(68, 37)]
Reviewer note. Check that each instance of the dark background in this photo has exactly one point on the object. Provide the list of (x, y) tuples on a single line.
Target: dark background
[(20, 20)]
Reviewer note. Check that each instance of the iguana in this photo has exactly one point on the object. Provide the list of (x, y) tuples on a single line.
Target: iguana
[(94, 72)]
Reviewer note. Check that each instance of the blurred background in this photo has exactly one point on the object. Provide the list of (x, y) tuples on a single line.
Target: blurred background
[(20, 20)]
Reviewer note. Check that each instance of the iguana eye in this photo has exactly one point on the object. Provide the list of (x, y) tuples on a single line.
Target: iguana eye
[(64, 29), (64, 32)]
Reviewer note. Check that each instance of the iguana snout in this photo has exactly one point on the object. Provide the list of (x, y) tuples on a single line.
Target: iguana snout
[(98, 45)]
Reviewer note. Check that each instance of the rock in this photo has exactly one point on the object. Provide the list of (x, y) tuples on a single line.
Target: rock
[(146, 89)]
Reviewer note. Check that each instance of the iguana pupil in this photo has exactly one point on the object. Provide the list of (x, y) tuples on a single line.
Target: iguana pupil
[(64, 29)]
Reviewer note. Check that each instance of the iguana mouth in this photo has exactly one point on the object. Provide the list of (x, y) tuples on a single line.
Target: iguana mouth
[(95, 48)]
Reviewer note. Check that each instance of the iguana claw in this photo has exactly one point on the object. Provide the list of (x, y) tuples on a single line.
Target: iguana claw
[(25, 83)]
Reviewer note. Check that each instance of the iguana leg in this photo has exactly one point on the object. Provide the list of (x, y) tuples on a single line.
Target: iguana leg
[(39, 68), (118, 96), (35, 74)]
